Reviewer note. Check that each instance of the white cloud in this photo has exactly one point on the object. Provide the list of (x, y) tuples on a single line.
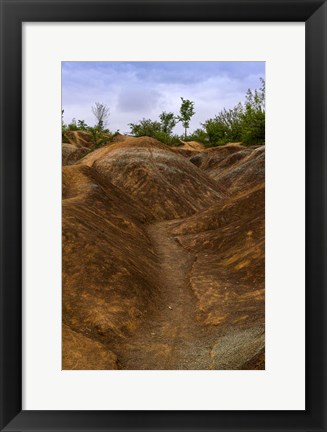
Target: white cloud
[(132, 95)]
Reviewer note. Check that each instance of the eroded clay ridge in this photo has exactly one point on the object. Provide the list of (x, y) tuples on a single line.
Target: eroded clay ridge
[(163, 256)]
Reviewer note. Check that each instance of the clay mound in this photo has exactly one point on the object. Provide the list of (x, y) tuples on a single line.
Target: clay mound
[(184, 152), (232, 166), (247, 168), (71, 153), (164, 183), (142, 290), (227, 276), (232, 210), (192, 145), (79, 138), (212, 157), (118, 137), (109, 276), (81, 183), (125, 142)]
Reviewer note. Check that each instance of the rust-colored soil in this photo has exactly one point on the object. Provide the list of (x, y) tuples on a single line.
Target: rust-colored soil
[(163, 258), (79, 138), (192, 145), (71, 153)]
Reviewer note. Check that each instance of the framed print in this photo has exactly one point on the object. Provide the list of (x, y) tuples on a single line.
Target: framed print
[(169, 175), (163, 215)]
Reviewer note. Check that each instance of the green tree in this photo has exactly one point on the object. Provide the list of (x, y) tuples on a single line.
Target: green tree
[(186, 113), (168, 122), (82, 125), (154, 129), (145, 127), (199, 135), (72, 126), (243, 123), (253, 119), (226, 126)]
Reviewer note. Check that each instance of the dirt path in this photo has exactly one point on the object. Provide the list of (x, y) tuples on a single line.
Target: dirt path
[(171, 338)]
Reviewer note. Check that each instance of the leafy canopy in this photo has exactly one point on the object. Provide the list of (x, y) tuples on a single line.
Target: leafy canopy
[(186, 112), (243, 123)]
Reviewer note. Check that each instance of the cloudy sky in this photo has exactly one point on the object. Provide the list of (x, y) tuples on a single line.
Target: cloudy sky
[(145, 89)]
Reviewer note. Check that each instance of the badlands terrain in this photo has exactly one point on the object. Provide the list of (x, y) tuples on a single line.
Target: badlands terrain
[(163, 255)]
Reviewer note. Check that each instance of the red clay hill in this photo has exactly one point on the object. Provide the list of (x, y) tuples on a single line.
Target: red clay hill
[(163, 256)]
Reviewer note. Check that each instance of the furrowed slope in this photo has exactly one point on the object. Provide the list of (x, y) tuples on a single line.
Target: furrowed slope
[(163, 182), (109, 266), (211, 158), (233, 166), (71, 153), (163, 258), (227, 275)]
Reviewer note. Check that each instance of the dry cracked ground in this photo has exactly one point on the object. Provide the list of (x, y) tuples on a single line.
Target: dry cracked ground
[(163, 256)]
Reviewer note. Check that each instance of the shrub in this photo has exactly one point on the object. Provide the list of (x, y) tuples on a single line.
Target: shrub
[(244, 124), (100, 137), (199, 135), (253, 120), (155, 129), (73, 125)]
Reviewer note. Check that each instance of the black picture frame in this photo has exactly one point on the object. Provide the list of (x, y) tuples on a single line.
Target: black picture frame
[(13, 14)]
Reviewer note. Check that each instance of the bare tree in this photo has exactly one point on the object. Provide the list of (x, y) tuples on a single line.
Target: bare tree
[(101, 113)]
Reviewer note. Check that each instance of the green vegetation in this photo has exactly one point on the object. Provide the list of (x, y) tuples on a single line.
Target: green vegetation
[(100, 137), (168, 122), (82, 125), (161, 130), (97, 134), (245, 123), (186, 112)]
